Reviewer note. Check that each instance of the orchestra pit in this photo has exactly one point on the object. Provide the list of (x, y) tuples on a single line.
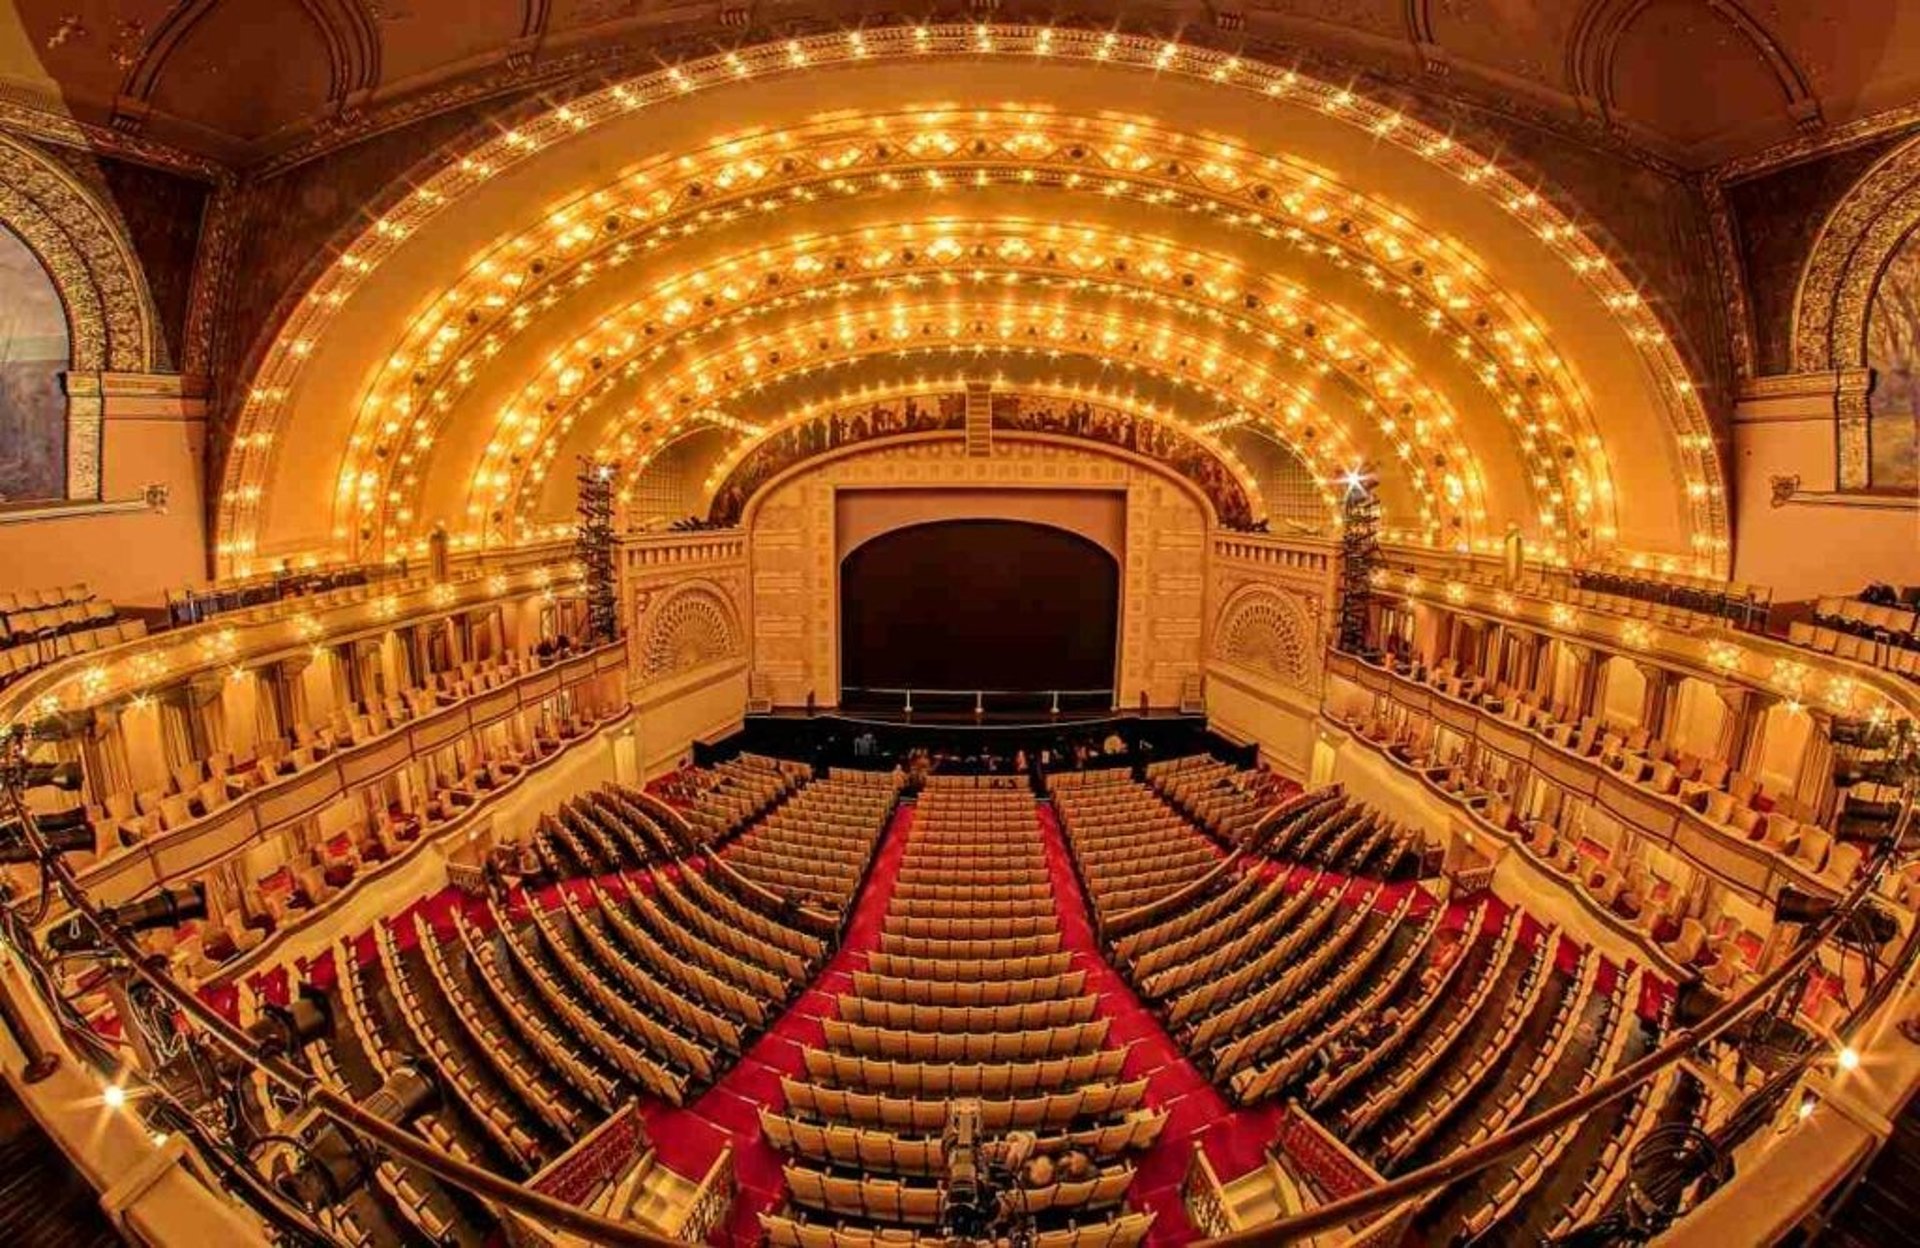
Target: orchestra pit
[(838, 626)]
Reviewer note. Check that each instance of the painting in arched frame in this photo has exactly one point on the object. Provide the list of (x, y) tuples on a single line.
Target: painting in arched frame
[(1893, 352), (33, 353)]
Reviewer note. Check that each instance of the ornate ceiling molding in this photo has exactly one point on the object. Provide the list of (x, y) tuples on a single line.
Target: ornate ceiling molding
[(1507, 190), (1593, 52), (1854, 244), (84, 246)]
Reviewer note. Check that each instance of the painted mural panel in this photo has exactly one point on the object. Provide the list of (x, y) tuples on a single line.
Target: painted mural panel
[(33, 353), (1893, 352)]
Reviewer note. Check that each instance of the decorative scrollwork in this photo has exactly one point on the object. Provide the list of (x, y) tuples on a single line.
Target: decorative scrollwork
[(1269, 632), (689, 628), (83, 245)]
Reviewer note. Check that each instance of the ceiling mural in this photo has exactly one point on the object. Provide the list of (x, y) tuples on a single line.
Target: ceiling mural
[(34, 351), (1893, 353)]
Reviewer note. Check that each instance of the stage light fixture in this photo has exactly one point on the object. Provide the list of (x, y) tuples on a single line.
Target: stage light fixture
[(68, 777), (332, 1162), (285, 1028), (65, 833), (169, 907)]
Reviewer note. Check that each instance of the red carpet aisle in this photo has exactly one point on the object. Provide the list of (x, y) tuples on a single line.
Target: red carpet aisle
[(689, 1138), (1232, 1137)]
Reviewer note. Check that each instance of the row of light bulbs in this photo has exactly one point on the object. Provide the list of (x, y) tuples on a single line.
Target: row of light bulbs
[(1369, 367), (447, 387), (1439, 150)]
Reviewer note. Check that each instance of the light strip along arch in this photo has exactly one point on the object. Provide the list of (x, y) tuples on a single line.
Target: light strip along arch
[(951, 331), (1523, 387), (1506, 190), (1281, 319), (1490, 368)]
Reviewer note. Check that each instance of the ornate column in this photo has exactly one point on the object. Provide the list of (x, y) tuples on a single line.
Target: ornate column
[(1654, 705)]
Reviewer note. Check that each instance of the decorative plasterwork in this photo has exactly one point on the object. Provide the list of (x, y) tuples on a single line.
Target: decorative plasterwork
[(1839, 138), (344, 27), (109, 312), (1271, 632), (1509, 190), (758, 460), (1857, 239), (1594, 48), (684, 628), (795, 576), (1836, 289)]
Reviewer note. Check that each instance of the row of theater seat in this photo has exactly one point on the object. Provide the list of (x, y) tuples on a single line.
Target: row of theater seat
[(1410, 1030), (42, 626), (969, 994), (645, 970)]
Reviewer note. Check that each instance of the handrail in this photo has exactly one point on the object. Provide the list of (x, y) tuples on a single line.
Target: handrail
[(1470, 1161), (349, 1114)]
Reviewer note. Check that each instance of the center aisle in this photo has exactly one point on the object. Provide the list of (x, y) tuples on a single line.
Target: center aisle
[(690, 1138), (1197, 1113)]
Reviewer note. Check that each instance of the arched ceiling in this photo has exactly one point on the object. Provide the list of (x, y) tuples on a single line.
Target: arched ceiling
[(728, 240), (193, 72)]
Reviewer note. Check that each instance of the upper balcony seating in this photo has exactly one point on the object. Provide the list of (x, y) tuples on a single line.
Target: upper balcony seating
[(1875, 627), (1676, 597), (1733, 802), (41, 626)]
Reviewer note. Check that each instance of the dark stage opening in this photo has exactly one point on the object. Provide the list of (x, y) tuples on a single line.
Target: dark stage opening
[(962, 605)]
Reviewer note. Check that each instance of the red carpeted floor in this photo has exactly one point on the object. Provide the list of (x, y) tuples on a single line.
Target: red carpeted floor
[(690, 1137), (1197, 1114)]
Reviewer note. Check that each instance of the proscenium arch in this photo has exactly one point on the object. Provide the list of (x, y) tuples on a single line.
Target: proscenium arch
[(1067, 625), (1551, 258)]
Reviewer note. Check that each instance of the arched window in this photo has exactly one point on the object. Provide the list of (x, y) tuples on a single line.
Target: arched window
[(1893, 352), (34, 351)]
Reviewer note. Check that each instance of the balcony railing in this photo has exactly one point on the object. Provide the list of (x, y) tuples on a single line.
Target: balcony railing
[(252, 816), (1663, 819)]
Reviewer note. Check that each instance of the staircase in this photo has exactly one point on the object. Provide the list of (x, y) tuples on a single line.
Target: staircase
[(44, 1203), (1885, 1207)]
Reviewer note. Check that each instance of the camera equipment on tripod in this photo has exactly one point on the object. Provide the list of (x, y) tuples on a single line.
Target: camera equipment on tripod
[(169, 907), (65, 832), (966, 1206), (332, 1163)]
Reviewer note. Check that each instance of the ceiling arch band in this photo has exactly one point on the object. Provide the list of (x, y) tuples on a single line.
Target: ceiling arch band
[(1324, 341), (431, 368), (1503, 188), (949, 334)]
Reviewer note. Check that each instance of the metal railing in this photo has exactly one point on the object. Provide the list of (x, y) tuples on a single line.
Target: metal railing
[(1363, 1206), (1055, 701)]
